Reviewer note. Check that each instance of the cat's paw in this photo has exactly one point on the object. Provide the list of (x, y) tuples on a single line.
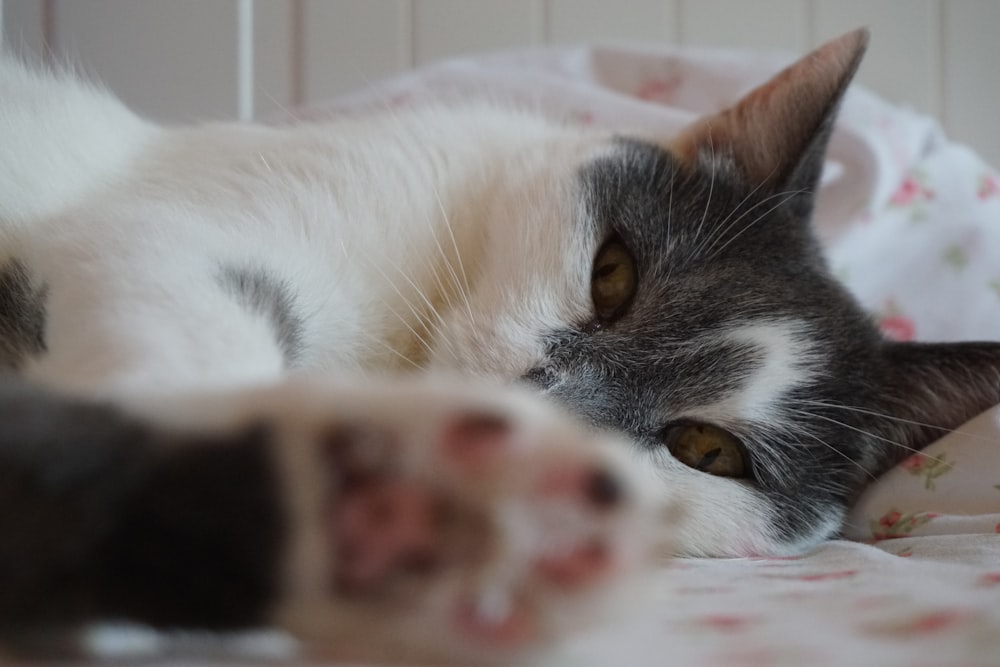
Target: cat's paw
[(431, 522)]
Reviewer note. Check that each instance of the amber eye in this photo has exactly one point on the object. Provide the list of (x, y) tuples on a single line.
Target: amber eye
[(706, 448), (613, 281)]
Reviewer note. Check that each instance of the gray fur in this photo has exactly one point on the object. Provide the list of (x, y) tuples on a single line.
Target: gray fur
[(701, 275), (22, 316), (261, 293)]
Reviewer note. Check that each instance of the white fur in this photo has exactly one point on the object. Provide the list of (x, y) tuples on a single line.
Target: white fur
[(788, 361), (726, 517), (61, 138), (393, 231)]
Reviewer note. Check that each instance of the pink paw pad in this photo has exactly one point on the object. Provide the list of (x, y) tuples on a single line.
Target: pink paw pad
[(579, 566), (598, 488), (476, 442), (378, 522), (383, 527), (522, 526)]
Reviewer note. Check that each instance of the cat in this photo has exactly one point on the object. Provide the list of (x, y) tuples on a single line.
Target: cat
[(464, 367)]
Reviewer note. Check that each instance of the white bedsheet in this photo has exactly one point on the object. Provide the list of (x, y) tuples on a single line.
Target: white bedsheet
[(912, 224)]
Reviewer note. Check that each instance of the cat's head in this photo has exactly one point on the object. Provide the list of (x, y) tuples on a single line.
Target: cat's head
[(689, 305)]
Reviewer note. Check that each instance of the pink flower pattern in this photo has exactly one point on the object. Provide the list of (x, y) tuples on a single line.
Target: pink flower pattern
[(909, 191), (895, 524), (928, 467), (895, 325), (989, 186), (912, 193), (728, 623), (990, 579), (933, 622), (660, 89)]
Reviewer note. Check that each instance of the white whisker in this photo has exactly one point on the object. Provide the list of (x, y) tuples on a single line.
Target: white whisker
[(711, 190), (419, 338), (763, 215), (722, 228), (895, 443), (843, 455), (901, 420), (385, 346), (670, 211), (463, 287)]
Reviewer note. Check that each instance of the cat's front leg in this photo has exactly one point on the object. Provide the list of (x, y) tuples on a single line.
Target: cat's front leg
[(409, 521), (434, 521)]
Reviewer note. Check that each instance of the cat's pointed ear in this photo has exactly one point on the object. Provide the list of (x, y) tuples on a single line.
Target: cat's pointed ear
[(778, 132), (930, 388)]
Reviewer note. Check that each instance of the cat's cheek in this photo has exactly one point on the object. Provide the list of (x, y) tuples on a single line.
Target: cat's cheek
[(492, 347), (508, 324)]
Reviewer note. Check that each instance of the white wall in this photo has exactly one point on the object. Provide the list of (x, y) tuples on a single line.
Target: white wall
[(178, 59)]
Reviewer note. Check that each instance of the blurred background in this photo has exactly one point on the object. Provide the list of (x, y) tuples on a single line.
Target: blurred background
[(197, 59)]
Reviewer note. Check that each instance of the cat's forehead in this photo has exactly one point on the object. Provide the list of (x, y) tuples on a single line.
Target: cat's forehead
[(699, 230), (642, 190)]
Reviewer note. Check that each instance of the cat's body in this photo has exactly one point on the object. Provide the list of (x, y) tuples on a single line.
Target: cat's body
[(668, 289)]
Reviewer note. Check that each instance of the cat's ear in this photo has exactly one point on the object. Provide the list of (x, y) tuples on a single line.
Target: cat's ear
[(778, 132), (930, 388)]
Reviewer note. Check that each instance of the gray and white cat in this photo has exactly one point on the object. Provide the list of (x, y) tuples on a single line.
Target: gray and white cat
[(283, 370)]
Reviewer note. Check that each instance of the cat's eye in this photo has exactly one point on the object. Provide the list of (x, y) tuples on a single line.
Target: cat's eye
[(706, 448), (613, 280)]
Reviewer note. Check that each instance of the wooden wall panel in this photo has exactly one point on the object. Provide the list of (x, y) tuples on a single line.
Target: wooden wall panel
[(170, 60), (766, 24), (904, 59), (348, 44), (971, 95), (577, 21), (177, 59), (22, 23), (276, 82), (444, 28)]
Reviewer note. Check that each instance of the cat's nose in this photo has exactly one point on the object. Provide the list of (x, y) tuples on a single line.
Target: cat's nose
[(540, 378)]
